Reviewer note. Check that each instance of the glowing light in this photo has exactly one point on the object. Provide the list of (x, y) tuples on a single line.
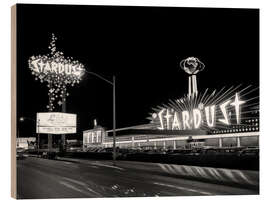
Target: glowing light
[(224, 112), (168, 116), (43, 66), (161, 119), (237, 104), (185, 116), (212, 122), (57, 71), (192, 65), (154, 115), (197, 118), (201, 106), (205, 111), (176, 123)]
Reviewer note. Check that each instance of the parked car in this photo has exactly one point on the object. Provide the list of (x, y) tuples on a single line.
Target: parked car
[(48, 155), (74, 149), (221, 150), (93, 149), (249, 152), (90, 149), (181, 151), (20, 153)]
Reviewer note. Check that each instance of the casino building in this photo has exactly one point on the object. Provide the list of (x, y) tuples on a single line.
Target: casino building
[(221, 118)]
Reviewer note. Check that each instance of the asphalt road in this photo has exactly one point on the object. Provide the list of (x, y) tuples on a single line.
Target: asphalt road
[(42, 178)]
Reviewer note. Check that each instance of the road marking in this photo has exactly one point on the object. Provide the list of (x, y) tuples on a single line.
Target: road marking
[(77, 189), (93, 166), (96, 164), (88, 188), (183, 188), (109, 166), (67, 162), (74, 181), (71, 186)]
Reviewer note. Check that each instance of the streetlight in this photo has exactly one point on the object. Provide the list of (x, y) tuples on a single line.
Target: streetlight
[(22, 119), (114, 110)]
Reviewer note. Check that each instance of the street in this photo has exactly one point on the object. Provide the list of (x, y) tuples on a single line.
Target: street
[(74, 178)]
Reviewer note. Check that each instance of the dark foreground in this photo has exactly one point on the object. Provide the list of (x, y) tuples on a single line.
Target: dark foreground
[(43, 178)]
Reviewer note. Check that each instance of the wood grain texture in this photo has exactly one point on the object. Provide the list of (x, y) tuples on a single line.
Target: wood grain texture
[(13, 101)]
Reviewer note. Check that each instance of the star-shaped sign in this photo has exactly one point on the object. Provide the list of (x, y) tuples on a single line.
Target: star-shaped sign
[(237, 102)]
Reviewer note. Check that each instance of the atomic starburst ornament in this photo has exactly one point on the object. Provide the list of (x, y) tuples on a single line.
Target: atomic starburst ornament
[(192, 65)]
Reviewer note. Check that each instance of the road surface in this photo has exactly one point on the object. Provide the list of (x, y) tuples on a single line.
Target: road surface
[(73, 178)]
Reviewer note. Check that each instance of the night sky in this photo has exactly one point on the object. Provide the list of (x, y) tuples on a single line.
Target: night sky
[(142, 47)]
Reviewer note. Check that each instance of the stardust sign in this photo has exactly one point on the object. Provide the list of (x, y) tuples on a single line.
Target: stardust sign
[(56, 123), (46, 66), (55, 68), (58, 71), (208, 116)]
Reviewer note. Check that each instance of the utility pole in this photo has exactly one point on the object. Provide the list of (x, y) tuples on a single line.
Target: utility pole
[(114, 122), (38, 138), (114, 110)]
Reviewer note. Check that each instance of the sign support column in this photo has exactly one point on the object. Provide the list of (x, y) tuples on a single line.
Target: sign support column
[(64, 109), (220, 142), (174, 144), (50, 110)]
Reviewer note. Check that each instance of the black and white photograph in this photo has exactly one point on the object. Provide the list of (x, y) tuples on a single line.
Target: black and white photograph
[(135, 101)]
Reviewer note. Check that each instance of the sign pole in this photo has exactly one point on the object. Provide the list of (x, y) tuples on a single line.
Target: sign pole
[(50, 135), (38, 141), (114, 123), (64, 109)]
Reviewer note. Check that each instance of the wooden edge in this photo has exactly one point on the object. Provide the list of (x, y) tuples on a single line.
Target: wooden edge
[(13, 101)]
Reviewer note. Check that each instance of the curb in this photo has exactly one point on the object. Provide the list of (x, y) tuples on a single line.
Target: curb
[(218, 175), (243, 178)]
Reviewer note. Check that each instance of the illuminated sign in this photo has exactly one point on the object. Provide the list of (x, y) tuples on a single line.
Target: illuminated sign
[(57, 71), (192, 65), (56, 123), (193, 120), (205, 111), (44, 66), (220, 109)]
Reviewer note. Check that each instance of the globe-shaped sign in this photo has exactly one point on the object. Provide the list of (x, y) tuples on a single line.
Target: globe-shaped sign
[(192, 65)]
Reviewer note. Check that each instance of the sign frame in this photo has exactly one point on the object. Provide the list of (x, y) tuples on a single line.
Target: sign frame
[(56, 123)]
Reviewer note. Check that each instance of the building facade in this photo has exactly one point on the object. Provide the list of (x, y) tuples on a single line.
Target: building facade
[(94, 137), (148, 137), (26, 142), (228, 117)]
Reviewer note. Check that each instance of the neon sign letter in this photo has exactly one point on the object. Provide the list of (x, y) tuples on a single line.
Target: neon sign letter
[(176, 123), (212, 122), (185, 116), (237, 104), (168, 116), (224, 112), (197, 118), (161, 120)]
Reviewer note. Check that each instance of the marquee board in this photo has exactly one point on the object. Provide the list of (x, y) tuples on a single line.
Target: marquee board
[(56, 123)]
